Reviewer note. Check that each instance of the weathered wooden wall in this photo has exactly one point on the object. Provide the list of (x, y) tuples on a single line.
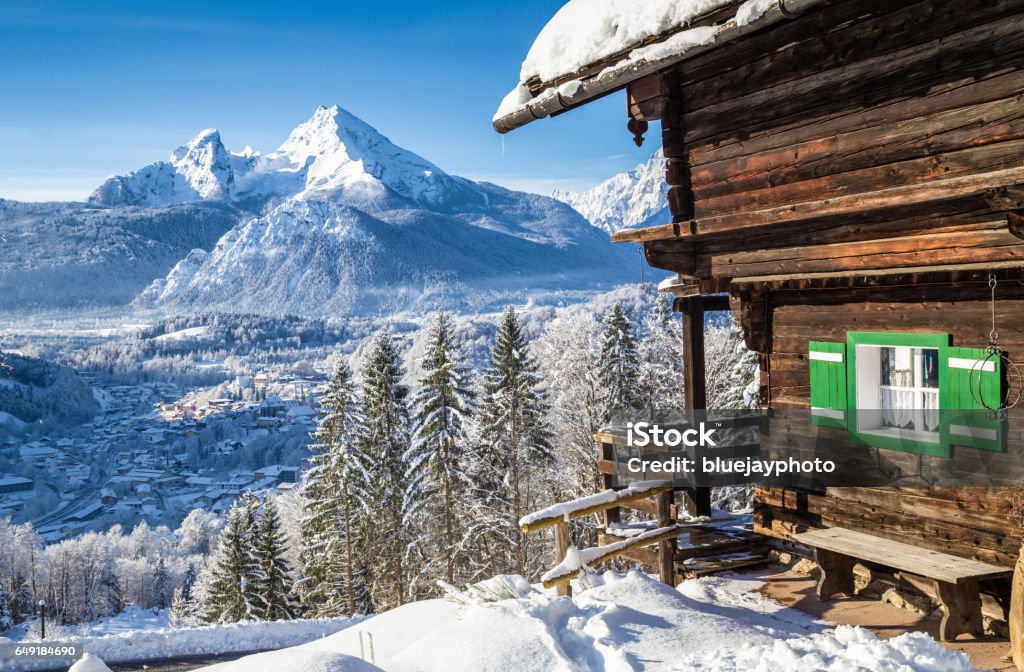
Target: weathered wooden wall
[(890, 121), (980, 523)]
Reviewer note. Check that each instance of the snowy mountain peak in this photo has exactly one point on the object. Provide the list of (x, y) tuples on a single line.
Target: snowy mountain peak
[(627, 200), (332, 156), (343, 155), (206, 165)]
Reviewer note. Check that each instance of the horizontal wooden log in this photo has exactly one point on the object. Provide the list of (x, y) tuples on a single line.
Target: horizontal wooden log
[(830, 37), (645, 556), (613, 500), (609, 552), (957, 95), (908, 195), (843, 89), (777, 180), (911, 251), (647, 233)]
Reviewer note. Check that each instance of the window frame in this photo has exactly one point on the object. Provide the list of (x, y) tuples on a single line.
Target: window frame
[(879, 439)]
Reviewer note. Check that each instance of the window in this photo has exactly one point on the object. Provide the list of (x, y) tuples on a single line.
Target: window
[(911, 392), (898, 391)]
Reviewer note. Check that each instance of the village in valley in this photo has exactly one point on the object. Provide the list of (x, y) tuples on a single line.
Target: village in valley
[(154, 454)]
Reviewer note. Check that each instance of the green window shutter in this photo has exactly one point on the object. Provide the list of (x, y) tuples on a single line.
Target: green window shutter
[(828, 383), (972, 377)]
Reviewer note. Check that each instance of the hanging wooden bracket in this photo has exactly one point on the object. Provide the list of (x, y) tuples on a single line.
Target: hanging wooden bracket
[(1015, 222), (1006, 198)]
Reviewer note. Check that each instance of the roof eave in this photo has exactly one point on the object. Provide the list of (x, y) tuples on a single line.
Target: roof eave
[(553, 100)]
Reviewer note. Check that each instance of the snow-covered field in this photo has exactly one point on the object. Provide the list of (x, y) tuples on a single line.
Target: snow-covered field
[(623, 623), (145, 636)]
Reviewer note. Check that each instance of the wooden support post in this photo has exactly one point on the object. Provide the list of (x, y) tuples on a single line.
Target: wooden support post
[(561, 548), (613, 515), (666, 547), (694, 376), (836, 574), (961, 609)]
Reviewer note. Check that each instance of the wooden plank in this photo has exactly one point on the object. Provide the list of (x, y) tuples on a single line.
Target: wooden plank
[(789, 179), (648, 233), (895, 554), (616, 499), (655, 537), (908, 195), (831, 37), (909, 276), (910, 251), (645, 556), (970, 92), (839, 88)]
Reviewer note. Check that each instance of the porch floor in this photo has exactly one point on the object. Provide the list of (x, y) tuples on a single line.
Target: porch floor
[(797, 591)]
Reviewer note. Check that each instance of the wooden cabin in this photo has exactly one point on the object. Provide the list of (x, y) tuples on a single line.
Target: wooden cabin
[(851, 174)]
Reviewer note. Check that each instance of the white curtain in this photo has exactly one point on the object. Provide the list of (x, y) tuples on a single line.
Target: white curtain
[(898, 408)]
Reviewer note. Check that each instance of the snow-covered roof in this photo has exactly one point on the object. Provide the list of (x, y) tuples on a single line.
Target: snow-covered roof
[(593, 47)]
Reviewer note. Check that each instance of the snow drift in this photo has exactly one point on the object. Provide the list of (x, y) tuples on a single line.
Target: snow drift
[(624, 623)]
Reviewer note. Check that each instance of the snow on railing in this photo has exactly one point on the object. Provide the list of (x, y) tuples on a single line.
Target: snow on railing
[(584, 506)]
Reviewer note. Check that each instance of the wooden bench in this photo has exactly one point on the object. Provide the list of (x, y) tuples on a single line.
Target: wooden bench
[(837, 550)]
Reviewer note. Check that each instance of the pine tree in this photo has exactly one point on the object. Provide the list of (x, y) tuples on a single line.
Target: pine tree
[(619, 364), (332, 495), (250, 506), (161, 585), (6, 619), (661, 360), (392, 499), (273, 583), (233, 571), (443, 403), (183, 604), (513, 423)]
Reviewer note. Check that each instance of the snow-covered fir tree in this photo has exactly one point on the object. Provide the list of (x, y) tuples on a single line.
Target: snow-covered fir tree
[(619, 364), (333, 494), (161, 585), (661, 360), (233, 570), (183, 603), (393, 496), (6, 618), (515, 436), (442, 404), (273, 583)]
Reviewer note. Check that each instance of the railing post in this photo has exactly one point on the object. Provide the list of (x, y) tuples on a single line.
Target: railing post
[(561, 549), (666, 548)]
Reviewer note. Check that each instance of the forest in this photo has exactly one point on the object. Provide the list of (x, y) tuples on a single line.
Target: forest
[(412, 488)]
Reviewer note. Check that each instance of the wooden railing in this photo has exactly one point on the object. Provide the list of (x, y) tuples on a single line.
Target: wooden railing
[(652, 495)]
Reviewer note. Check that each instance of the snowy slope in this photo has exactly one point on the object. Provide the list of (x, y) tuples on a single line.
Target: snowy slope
[(625, 201), (625, 623)]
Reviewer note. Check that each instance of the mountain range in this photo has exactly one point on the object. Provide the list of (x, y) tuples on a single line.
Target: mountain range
[(627, 200), (336, 220)]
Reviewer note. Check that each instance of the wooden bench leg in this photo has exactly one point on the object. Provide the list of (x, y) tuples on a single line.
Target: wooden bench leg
[(961, 610), (836, 574)]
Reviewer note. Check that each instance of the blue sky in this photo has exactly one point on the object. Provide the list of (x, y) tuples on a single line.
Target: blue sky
[(91, 89)]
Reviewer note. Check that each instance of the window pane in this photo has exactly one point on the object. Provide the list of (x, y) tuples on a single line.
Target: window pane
[(930, 364)]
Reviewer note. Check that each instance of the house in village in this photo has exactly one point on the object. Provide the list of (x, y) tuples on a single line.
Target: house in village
[(847, 177)]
